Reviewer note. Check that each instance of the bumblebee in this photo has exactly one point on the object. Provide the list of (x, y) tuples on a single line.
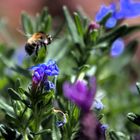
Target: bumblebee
[(36, 41)]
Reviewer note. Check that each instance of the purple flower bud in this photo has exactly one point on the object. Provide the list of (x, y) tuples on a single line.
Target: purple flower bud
[(117, 48), (93, 25), (90, 128), (37, 76), (80, 94)]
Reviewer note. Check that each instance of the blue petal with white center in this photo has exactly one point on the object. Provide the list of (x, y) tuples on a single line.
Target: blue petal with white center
[(98, 105), (48, 85)]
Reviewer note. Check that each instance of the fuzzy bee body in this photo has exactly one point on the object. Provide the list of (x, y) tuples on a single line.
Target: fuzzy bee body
[(36, 41)]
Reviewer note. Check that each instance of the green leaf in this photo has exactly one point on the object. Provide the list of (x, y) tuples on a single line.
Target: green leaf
[(105, 18), (56, 134), (94, 35), (76, 114), (71, 26), (135, 118), (56, 47), (138, 87), (27, 24), (84, 68), (114, 34), (118, 32), (132, 29), (13, 94), (113, 136), (131, 47), (43, 21), (41, 55), (42, 132), (48, 24), (100, 116), (6, 108), (21, 71), (44, 13), (10, 118), (21, 90), (27, 103), (17, 84), (45, 24), (75, 56), (78, 23), (9, 133)]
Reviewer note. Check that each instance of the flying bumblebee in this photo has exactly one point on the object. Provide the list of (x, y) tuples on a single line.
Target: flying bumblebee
[(36, 41)]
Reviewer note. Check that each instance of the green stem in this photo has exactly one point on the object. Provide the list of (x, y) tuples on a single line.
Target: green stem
[(25, 137)]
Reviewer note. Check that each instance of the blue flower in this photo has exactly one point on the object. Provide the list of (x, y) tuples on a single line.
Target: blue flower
[(128, 9), (98, 105), (48, 85), (60, 123), (111, 22), (104, 127), (117, 48), (51, 68), (41, 73)]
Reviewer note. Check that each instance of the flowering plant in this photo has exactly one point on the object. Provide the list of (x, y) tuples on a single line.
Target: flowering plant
[(79, 84)]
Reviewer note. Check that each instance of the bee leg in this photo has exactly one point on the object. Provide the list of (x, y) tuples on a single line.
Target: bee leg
[(44, 45), (36, 51)]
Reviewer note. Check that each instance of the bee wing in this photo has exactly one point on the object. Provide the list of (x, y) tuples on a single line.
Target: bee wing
[(24, 34)]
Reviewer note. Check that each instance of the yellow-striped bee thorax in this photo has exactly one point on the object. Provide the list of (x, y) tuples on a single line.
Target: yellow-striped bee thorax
[(36, 41), (40, 37)]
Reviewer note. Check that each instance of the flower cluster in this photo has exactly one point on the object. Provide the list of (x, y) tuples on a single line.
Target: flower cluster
[(127, 9), (80, 93), (41, 73)]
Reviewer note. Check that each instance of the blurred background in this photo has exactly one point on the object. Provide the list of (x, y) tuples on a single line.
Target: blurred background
[(10, 12)]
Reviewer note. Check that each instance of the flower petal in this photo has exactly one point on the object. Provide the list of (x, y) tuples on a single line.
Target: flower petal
[(111, 22), (104, 10), (117, 48), (48, 85)]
